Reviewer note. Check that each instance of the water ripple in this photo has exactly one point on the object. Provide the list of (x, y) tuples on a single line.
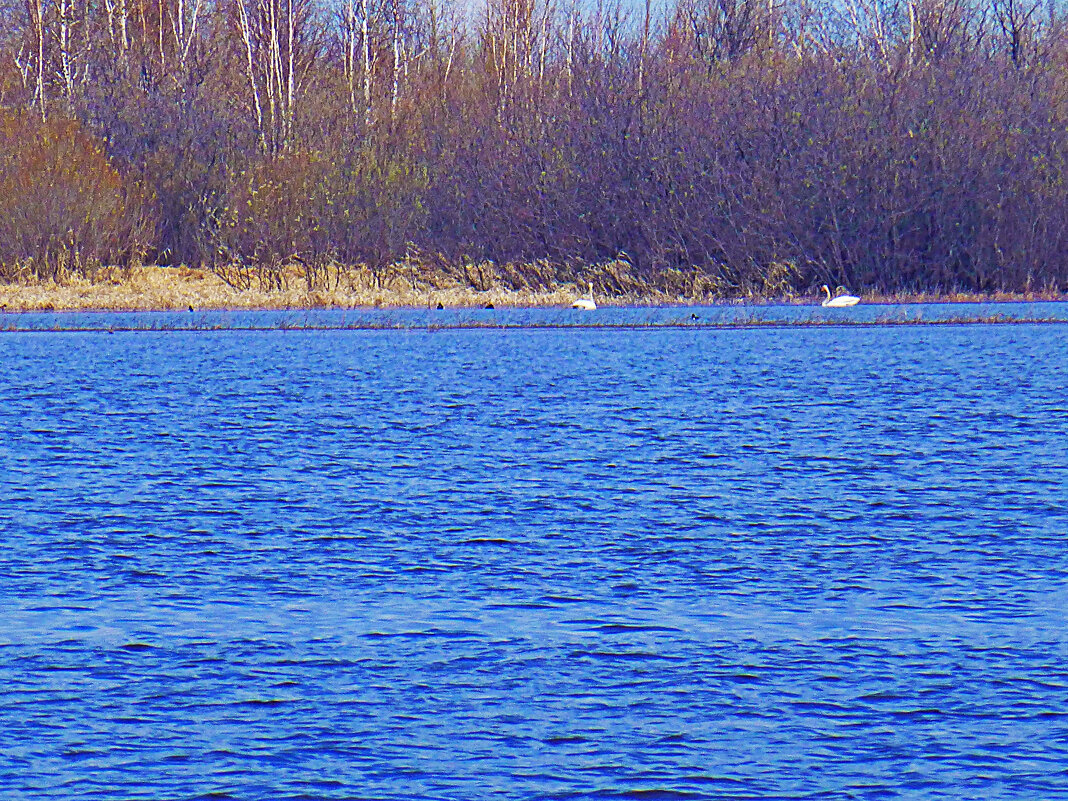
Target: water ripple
[(805, 563)]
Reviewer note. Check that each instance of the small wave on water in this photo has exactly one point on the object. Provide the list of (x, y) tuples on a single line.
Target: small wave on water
[(562, 563)]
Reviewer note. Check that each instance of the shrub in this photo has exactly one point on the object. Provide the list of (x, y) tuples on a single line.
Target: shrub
[(361, 207), (63, 206)]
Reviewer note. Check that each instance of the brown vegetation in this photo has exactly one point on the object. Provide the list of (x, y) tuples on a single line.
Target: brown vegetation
[(721, 148), (64, 209), (182, 288)]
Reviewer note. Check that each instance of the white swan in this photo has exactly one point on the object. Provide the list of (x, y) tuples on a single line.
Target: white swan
[(585, 303), (841, 300)]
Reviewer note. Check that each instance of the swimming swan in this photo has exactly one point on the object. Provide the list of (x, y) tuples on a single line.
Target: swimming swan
[(585, 303), (841, 300)]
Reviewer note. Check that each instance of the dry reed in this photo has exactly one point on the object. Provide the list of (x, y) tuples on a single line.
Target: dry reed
[(179, 288)]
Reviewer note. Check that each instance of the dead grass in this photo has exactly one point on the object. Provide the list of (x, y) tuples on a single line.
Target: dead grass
[(967, 297), (179, 288)]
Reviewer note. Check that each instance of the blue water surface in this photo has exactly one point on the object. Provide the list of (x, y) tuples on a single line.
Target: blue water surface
[(535, 564)]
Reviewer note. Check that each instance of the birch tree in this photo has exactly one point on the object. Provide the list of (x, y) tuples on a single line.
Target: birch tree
[(359, 56), (184, 18), (31, 55), (118, 27), (515, 37), (281, 42)]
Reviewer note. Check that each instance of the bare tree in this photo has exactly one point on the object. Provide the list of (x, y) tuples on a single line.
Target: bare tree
[(723, 30), (938, 28), (118, 26), (358, 21), (281, 40), (31, 55), (184, 17), (515, 37), (1018, 21)]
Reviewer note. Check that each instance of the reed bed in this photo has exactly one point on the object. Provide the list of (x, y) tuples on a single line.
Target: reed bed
[(150, 288), (178, 289)]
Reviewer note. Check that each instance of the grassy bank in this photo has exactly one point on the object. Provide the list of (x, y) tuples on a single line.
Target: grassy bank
[(178, 289)]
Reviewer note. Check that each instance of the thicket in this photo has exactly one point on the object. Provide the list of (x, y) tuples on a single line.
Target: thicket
[(63, 206), (707, 147)]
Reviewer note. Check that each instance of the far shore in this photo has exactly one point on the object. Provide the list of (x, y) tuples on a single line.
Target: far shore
[(183, 289)]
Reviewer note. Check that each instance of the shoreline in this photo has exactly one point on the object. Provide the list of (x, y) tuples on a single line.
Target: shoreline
[(171, 289)]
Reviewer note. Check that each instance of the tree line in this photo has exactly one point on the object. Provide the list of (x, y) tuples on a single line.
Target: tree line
[(709, 147)]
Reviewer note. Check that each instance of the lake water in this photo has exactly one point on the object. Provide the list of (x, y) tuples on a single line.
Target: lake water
[(535, 564), (723, 315)]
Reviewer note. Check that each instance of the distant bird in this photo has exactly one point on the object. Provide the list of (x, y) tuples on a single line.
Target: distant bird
[(488, 306), (586, 302), (440, 306), (694, 317), (190, 308), (841, 300)]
